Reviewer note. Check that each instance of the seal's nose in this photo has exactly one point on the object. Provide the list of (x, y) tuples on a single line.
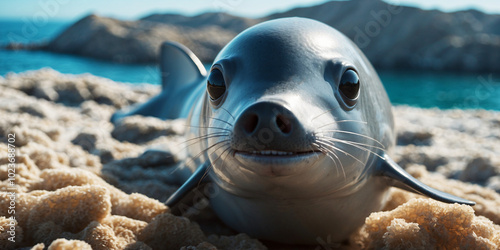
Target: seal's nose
[(267, 126), (278, 122)]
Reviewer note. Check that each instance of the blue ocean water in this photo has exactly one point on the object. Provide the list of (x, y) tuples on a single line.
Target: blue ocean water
[(421, 89), (20, 61), (444, 90)]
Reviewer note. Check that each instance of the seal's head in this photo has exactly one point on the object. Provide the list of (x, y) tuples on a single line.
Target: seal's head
[(295, 117), (305, 108), (293, 128)]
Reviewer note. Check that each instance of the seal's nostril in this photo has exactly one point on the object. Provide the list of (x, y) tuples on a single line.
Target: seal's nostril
[(284, 124), (251, 123)]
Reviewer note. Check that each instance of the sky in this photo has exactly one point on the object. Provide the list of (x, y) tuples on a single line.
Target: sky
[(75, 9)]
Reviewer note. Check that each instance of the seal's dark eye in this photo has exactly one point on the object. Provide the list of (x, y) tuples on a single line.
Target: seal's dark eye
[(349, 86), (215, 84)]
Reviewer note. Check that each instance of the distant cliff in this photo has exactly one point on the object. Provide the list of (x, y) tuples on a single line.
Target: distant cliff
[(390, 36), (135, 41), (407, 37)]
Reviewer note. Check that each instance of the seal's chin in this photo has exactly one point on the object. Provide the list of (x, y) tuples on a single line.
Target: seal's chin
[(277, 163)]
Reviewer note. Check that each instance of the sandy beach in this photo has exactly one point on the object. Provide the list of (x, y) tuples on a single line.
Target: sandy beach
[(81, 182)]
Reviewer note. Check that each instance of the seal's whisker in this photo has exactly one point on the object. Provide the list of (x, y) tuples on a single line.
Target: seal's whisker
[(196, 140), (362, 122), (329, 153), (199, 139), (324, 151), (220, 143), (354, 143), (228, 113), (226, 151), (341, 121), (207, 136), (223, 143), (191, 159), (361, 146), (332, 145), (327, 111), (209, 127), (197, 156), (353, 133), (314, 149), (218, 119)]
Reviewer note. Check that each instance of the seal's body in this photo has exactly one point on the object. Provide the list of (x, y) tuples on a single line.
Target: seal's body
[(293, 126)]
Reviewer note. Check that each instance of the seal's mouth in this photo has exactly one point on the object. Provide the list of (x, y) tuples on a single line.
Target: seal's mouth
[(276, 153), (277, 163)]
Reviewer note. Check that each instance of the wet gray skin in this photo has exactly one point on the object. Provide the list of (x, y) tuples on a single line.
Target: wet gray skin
[(294, 128)]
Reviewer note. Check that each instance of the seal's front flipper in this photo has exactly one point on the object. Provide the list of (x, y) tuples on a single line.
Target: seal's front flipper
[(181, 73), (401, 179), (189, 193)]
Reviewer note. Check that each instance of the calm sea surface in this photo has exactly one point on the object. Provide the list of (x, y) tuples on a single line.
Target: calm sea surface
[(422, 89)]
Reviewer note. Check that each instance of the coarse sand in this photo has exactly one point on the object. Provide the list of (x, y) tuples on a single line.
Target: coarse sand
[(84, 183)]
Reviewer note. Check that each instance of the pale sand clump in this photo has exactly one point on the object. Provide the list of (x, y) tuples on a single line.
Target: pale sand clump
[(426, 224), (423, 223), (83, 183)]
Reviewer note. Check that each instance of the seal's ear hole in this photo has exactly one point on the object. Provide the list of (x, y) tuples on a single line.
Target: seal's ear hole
[(349, 87), (216, 86)]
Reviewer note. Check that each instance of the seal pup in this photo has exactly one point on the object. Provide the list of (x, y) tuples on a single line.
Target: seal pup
[(292, 126)]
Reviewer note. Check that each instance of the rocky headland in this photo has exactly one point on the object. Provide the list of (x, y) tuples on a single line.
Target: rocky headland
[(82, 182), (390, 36)]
